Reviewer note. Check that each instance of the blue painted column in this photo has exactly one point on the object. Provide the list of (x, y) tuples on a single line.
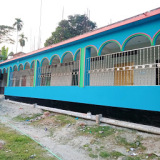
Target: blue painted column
[(87, 66), (9, 76)]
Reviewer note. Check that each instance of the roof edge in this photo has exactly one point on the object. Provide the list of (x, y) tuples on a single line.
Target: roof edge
[(94, 32)]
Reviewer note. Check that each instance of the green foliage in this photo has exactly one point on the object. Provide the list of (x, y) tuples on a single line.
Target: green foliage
[(113, 154), (122, 141), (11, 54), (22, 40), (5, 34), (86, 145), (104, 154), (18, 23), (4, 53), (116, 154), (132, 158), (75, 25)]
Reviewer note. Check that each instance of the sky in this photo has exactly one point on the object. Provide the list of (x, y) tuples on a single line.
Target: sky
[(103, 12)]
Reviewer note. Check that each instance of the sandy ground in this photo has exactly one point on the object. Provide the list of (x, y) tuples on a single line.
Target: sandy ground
[(68, 143)]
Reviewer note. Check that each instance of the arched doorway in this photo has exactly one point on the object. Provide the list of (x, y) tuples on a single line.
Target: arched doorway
[(45, 72)]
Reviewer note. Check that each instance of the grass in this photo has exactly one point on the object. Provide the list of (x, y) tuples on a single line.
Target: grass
[(98, 131), (93, 155), (112, 155), (104, 154), (132, 158), (115, 154), (122, 141), (24, 117), (64, 119), (20, 147), (58, 120)]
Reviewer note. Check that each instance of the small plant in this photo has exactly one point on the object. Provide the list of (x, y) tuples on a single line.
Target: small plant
[(132, 158), (116, 154), (113, 154), (64, 119), (89, 149), (93, 155), (86, 145), (104, 154)]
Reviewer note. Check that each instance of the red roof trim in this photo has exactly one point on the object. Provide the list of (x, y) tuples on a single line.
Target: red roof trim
[(109, 27)]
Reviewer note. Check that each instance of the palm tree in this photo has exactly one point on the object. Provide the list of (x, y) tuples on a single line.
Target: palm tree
[(22, 40), (19, 25)]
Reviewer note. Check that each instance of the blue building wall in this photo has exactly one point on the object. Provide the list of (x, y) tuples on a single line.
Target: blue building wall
[(135, 97)]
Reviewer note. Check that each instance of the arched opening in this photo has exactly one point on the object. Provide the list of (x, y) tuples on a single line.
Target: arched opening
[(32, 64), (28, 74), (136, 41), (55, 64), (26, 66), (109, 47), (3, 80), (32, 72), (92, 51), (14, 80), (67, 57), (158, 40), (55, 60), (76, 69), (4, 70), (77, 55), (20, 67), (45, 71), (15, 68), (22, 76), (45, 62)]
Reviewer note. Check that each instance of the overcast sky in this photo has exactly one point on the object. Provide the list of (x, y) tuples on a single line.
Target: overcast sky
[(102, 12)]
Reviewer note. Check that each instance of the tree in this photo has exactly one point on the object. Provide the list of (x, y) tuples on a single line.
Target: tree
[(5, 34), (19, 25), (22, 40), (75, 25), (4, 53)]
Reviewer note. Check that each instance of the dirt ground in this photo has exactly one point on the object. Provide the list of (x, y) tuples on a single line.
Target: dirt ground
[(72, 138)]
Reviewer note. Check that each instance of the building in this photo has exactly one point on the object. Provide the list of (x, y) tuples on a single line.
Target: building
[(117, 65)]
